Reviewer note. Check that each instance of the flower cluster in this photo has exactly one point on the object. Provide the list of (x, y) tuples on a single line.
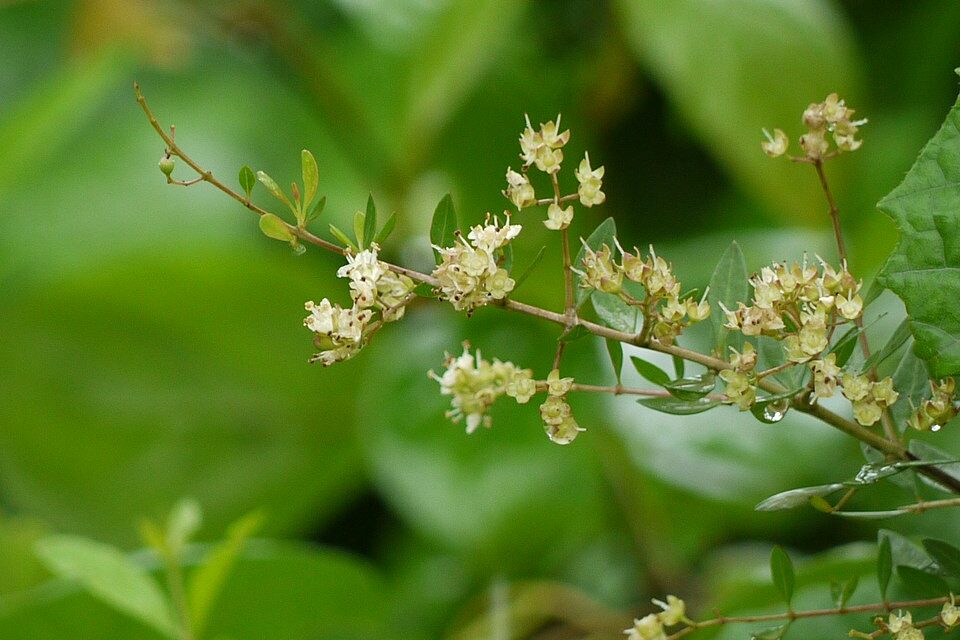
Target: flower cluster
[(338, 332), (475, 383), (557, 417), (741, 384), (666, 313), (468, 274), (652, 626), (831, 117), (812, 300), (372, 285), (937, 410), (869, 398), (900, 626), (543, 149)]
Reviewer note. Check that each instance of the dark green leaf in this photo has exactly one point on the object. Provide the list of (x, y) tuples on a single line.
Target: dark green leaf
[(615, 350), (370, 222), (728, 285), (444, 224), (679, 366), (386, 229), (317, 209), (650, 371), (692, 388), (873, 292), (782, 573), (530, 267), (897, 340), (796, 497), (678, 407), (844, 347), (273, 227), (921, 583), (946, 556), (884, 565), (247, 180), (602, 235), (106, 573), (614, 312), (342, 237), (924, 269), (311, 177)]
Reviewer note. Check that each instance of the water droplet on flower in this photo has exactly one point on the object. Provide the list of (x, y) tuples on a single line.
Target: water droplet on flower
[(935, 427), (775, 411)]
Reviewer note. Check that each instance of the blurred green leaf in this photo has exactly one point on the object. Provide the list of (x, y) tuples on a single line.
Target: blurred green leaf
[(274, 227), (311, 177), (615, 349), (247, 180), (208, 579), (728, 285), (650, 371), (946, 556), (109, 575), (369, 222), (698, 50), (604, 234), (841, 592), (921, 584), (343, 238), (923, 270), (183, 523), (359, 228), (444, 224), (782, 573)]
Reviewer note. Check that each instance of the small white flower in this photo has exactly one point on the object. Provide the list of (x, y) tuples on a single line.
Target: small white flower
[(557, 217)]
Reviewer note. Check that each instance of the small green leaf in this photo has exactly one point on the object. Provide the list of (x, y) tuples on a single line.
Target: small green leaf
[(602, 235), (247, 180), (692, 388), (615, 350), (796, 497), (444, 225), (844, 347), (107, 574), (946, 556), (311, 177), (728, 285), (343, 238), (530, 267), (386, 229), (679, 366), (275, 190), (369, 222), (840, 592), (650, 371), (678, 407), (884, 565), (359, 226), (614, 312), (782, 573), (207, 581), (317, 209), (920, 583), (273, 227)]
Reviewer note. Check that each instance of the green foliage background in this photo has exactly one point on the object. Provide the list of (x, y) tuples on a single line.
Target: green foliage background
[(150, 337)]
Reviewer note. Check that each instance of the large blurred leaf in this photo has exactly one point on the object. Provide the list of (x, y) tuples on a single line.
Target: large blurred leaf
[(732, 67), (278, 591), (506, 494), (132, 384), (924, 269)]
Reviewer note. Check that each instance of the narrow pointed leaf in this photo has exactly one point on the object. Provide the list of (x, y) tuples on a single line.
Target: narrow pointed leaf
[(796, 497), (782, 573), (311, 177), (386, 229), (444, 225), (728, 285), (678, 407), (247, 180), (275, 190), (317, 209), (369, 222), (692, 388), (342, 237), (615, 350), (884, 565), (946, 555), (650, 371)]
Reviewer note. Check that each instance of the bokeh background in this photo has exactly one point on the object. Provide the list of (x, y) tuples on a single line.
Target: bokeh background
[(151, 340)]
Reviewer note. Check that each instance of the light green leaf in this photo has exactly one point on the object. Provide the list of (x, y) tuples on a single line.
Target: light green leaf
[(208, 580), (275, 190), (369, 222), (247, 180), (796, 497), (359, 227), (650, 371), (697, 50), (444, 224), (678, 407), (311, 177), (342, 237), (109, 575), (614, 312), (274, 227), (184, 520), (602, 235), (924, 269), (782, 573), (728, 285)]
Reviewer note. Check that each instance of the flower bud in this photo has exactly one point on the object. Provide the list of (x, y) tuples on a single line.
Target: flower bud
[(166, 165)]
